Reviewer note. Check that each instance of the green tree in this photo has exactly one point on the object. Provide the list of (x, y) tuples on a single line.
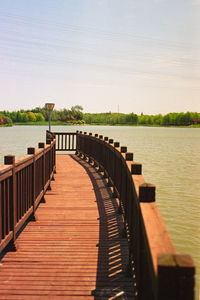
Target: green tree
[(166, 120), (77, 112), (157, 119), (39, 117), (132, 118), (31, 116), (23, 117)]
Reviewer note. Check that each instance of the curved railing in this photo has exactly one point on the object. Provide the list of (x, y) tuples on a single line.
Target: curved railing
[(160, 272), (23, 183)]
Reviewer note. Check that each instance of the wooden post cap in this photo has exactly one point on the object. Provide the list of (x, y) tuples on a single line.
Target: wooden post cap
[(123, 149), (101, 137), (31, 150), (116, 144), (96, 135), (9, 160), (106, 138), (110, 141), (41, 145), (90, 133), (136, 169), (147, 192), (129, 156)]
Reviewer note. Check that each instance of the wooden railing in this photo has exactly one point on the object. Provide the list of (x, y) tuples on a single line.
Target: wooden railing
[(23, 183), (161, 273), (65, 141)]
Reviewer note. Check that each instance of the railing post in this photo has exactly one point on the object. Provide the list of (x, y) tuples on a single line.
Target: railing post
[(175, 277), (114, 195), (109, 184), (48, 142), (129, 156), (31, 151), (147, 192), (41, 146), (110, 141), (146, 195), (123, 149), (10, 160), (54, 155), (96, 152), (52, 160), (127, 210), (136, 169), (77, 142)]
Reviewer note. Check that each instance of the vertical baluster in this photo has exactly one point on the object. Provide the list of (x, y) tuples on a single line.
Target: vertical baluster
[(49, 160), (31, 151), (18, 196), (65, 141), (21, 194), (26, 190), (69, 141), (4, 209), (8, 206), (73, 142), (62, 140), (42, 145), (48, 164), (11, 201), (58, 141), (29, 187), (54, 153)]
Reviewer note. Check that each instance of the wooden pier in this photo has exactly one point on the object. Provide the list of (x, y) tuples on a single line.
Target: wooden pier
[(85, 226)]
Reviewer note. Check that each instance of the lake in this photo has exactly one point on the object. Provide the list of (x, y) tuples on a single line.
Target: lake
[(170, 159)]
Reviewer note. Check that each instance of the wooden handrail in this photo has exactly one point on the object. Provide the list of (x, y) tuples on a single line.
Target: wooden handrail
[(161, 273), (23, 183)]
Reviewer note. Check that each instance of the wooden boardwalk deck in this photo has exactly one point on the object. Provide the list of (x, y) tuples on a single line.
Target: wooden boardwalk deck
[(74, 250)]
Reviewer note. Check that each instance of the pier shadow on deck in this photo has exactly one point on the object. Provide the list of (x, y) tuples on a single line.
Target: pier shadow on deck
[(112, 281)]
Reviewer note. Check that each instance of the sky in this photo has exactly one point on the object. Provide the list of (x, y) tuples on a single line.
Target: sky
[(105, 55)]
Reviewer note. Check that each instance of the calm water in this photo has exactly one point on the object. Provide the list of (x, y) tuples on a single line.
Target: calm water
[(170, 158)]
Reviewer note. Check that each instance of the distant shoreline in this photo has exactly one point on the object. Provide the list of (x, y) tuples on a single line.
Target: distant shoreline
[(59, 123)]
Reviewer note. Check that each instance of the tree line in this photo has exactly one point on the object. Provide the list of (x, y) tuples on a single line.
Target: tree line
[(39, 114), (75, 115), (170, 119)]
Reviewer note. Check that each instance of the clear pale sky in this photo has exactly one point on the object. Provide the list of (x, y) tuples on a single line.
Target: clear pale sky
[(132, 55)]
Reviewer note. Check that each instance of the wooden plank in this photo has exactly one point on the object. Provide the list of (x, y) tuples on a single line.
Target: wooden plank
[(74, 250)]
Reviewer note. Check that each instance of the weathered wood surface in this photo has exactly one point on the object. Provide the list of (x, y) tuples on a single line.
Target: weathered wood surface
[(75, 249)]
